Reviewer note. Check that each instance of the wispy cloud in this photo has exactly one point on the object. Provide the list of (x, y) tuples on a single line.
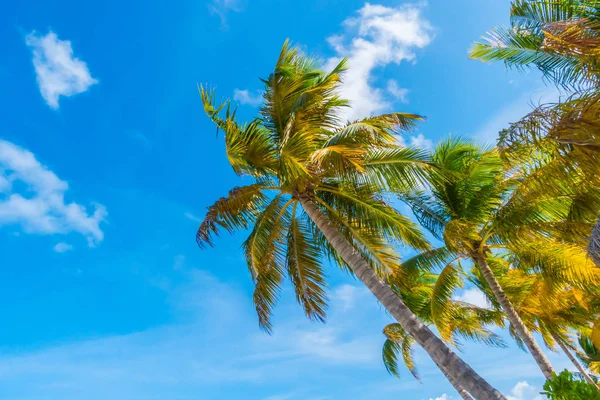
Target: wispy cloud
[(62, 247), (513, 112), (245, 97), (348, 295), (215, 343), (37, 204), (396, 91), (192, 217), (221, 8), (376, 37), (473, 296), (214, 348), (58, 72)]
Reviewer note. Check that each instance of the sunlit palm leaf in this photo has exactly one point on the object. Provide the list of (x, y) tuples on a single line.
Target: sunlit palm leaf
[(304, 269)]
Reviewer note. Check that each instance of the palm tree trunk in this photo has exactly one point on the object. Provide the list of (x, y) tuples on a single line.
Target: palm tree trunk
[(459, 388), (576, 363), (513, 317), (445, 358)]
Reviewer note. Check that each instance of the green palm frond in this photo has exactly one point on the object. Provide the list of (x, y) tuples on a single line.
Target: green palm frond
[(470, 323), (430, 214), (374, 215), (559, 37), (532, 14), (236, 211), (266, 256), (304, 269), (398, 169), (398, 344), (378, 130), (370, 243), (249, 147), (442, 310), (429, 260)]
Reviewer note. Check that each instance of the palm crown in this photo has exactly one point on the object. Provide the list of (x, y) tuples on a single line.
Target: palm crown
[(299, 148), (482, 214), (560, 37)]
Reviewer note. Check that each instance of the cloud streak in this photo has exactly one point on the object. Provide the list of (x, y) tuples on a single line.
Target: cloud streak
[(215, 343), (58, 72), (513, 112), (222, 8)]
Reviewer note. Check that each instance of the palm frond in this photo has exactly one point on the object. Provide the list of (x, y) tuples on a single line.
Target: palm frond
[(236, 211), (304, 269), (266, 256), (398, 343), (398, 169), (442, 310), (374, 215), (429, 260)]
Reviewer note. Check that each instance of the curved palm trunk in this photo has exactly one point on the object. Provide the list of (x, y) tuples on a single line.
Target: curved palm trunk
[(576, 363), (459, 388), (445, 358), (513, 317)]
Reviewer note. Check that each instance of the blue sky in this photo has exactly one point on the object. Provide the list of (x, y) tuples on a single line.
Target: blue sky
[(107, 163)]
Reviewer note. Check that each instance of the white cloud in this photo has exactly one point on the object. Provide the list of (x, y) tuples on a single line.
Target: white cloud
[(221, 8), (421, 142), (396, 91), (58, 72), (245, 97), (442, 397), (418, 141), (473, 296), (38, 204), (347, 295), (378, 36), (192, 217), (513, 112), (62, 247), (524, 391)]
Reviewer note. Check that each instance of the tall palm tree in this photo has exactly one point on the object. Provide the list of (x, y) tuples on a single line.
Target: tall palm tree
[(553, 310), (562, 39), (425, 293), (471, 208), (316, 193)]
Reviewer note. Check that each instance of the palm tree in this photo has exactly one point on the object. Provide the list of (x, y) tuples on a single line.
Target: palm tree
[(553, 310), (316, 193), (562, 39), (473, 210), (559, 37), (425, 293)]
